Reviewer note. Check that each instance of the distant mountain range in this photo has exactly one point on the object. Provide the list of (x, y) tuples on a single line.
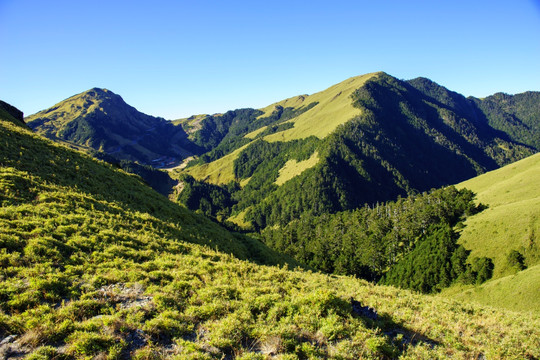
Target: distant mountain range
[(369, 138)]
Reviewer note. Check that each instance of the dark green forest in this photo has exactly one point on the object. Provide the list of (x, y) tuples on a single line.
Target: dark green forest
[(411, 242)]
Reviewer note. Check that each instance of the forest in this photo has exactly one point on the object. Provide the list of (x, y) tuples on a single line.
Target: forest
[(411, 242)]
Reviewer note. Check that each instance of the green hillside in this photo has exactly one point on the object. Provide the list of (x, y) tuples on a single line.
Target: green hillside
[(101, 120), (508, 232), (517, 292), (11, 113), (97, 265), (376, 138), (512, 219), (334, 107)]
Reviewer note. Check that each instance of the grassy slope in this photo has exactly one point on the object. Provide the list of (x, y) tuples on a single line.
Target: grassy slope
[(293, 168), (44, 162), (95, 263), (512, 222), (513, 196), (191, 124), (71, 108), (333, 109), (220, 171), (101, 120), (518, 292)]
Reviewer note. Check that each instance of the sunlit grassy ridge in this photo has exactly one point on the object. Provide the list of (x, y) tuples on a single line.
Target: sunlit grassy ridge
[(510, 223), (334, 108), (96, 264), (190, 124), (220, 171), (101, 120), (512, 220)]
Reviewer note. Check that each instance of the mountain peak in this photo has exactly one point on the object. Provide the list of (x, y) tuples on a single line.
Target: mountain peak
[(102, 120)]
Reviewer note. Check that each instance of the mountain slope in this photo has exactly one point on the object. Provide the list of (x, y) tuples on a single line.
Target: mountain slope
[(95, 264), (101, 120), (517, 292), (517, 115), (512, 219), (11, 113), (508, 232), (376, 137), (39, 172)]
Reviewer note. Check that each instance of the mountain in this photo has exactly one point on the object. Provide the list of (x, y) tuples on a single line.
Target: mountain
[(368, 139), (96, 264), (11, 113), (100, 120)]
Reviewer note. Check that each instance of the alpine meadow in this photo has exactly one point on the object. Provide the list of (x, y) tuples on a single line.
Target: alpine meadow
[(380, 218)]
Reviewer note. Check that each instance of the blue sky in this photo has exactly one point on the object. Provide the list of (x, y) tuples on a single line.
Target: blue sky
[(178, 58)]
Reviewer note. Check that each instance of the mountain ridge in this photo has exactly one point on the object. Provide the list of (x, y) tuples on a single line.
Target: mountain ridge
[(100, 119), (405, 137), (376, 137)]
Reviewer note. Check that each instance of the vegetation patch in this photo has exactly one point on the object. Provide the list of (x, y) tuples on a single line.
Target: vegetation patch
[(293, 168)]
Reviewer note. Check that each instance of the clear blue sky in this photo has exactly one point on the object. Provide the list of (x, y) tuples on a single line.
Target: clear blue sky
[(177, 58)]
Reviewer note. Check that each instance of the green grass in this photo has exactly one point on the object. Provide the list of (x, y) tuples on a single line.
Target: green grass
[(293, 168), (190, 124), (334, 108), (220, 171), (518, 292), (97, 265), (254, 133), (512, 220), (76, 106)]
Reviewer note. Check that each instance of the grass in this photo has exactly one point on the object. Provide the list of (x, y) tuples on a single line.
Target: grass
[(254, 133), (518, 292), (294, 102), (190, 124), (239, 219), (334, 108), (293, 168), (97, 265), (512, 221), (72, 108), (220, 171)]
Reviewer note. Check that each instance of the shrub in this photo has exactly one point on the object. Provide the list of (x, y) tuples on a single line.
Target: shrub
[(516, 260), (87, 344)]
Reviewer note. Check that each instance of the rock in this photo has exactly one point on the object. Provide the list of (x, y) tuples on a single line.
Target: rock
[(8, 339)]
